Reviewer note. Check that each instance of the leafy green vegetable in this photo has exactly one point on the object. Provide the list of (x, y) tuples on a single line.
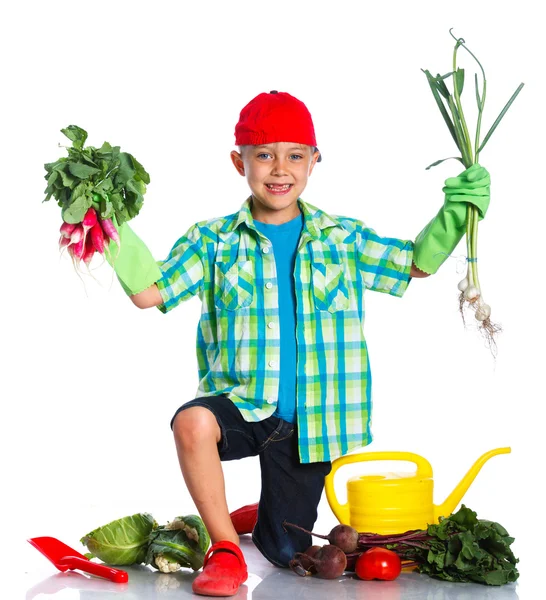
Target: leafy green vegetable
[(460, 547), (110, 180), (182, 543), (76, 134), (123, 541)]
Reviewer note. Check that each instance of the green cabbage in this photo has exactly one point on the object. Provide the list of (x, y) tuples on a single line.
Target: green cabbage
[(123, 541)]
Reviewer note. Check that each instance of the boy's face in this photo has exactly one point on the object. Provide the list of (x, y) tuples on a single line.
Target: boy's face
[(277, 174)]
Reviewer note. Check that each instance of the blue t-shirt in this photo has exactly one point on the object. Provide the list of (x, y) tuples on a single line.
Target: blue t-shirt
[(284, 238)]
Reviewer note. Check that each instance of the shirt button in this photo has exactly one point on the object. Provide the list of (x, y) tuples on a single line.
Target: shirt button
[(269, 285), (270, 400), (265, 249), (271, 325), (272, 363)]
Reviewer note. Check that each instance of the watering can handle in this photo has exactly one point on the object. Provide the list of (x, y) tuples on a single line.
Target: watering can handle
[(341, 511)]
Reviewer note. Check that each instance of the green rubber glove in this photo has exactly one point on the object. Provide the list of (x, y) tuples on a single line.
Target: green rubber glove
[(135, 267), (440, 237)]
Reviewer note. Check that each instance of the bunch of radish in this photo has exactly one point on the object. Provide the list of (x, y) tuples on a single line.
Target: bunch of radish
[(83, 240), (97, 190)]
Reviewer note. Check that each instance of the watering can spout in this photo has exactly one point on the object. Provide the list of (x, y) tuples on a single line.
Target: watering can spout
[(451, 502)]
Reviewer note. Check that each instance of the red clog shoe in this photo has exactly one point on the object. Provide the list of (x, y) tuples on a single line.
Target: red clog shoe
[(224, 570), (245, 518)]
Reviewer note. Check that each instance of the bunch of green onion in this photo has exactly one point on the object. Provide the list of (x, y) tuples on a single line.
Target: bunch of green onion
[(452, 111)]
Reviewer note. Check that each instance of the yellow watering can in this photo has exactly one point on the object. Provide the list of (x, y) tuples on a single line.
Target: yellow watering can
[(395, 502)]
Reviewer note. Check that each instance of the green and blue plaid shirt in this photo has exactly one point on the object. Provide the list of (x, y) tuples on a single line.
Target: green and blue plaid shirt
[(230, 265)]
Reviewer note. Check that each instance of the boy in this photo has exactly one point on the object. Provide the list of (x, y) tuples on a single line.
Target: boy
[(282, 358)]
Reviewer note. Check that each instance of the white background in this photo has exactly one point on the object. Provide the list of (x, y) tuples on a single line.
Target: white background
[(90, 382)]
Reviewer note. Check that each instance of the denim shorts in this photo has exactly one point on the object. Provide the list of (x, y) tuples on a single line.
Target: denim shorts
[(291, 490)]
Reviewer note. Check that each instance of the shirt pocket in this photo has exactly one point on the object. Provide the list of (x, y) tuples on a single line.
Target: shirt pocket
[(329, 286), (233, 284)]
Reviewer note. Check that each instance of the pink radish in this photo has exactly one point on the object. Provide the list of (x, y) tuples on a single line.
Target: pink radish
[(88, 250), (111, 233), (76, 250), (110, 230), (77, 235), (78, 238), (92, 235), (89, 220), (97, 237), (67, 229)]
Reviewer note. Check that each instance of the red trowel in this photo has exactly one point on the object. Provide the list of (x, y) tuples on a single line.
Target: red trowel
[(64, 558)]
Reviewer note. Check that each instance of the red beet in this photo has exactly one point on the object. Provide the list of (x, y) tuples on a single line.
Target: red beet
[(312, 550), (330, 562), (344, 537), (327, 562), (306, 557)]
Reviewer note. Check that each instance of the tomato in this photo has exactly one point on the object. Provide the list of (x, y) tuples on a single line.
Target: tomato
[(378, 563)]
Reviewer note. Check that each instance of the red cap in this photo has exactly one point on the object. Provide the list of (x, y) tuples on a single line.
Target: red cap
[(275, 117)]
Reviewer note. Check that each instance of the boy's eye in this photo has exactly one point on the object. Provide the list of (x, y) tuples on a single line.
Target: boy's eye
[(296, 156)]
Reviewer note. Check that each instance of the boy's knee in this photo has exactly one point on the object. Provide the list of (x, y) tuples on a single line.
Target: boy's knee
[(194, 425)]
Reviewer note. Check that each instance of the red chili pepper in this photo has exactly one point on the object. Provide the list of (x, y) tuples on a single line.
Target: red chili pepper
[(378, 563)]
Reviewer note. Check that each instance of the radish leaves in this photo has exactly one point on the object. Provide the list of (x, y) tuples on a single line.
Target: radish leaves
[(111, 181)]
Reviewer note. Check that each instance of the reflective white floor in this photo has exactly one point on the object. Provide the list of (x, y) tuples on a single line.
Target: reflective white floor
[(265, 582)]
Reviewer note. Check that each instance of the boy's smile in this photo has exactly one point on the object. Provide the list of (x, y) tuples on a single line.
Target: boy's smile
[(279, 189), (277, 174)]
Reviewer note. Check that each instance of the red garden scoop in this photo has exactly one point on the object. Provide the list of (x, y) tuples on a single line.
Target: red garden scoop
[(64, 558)]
